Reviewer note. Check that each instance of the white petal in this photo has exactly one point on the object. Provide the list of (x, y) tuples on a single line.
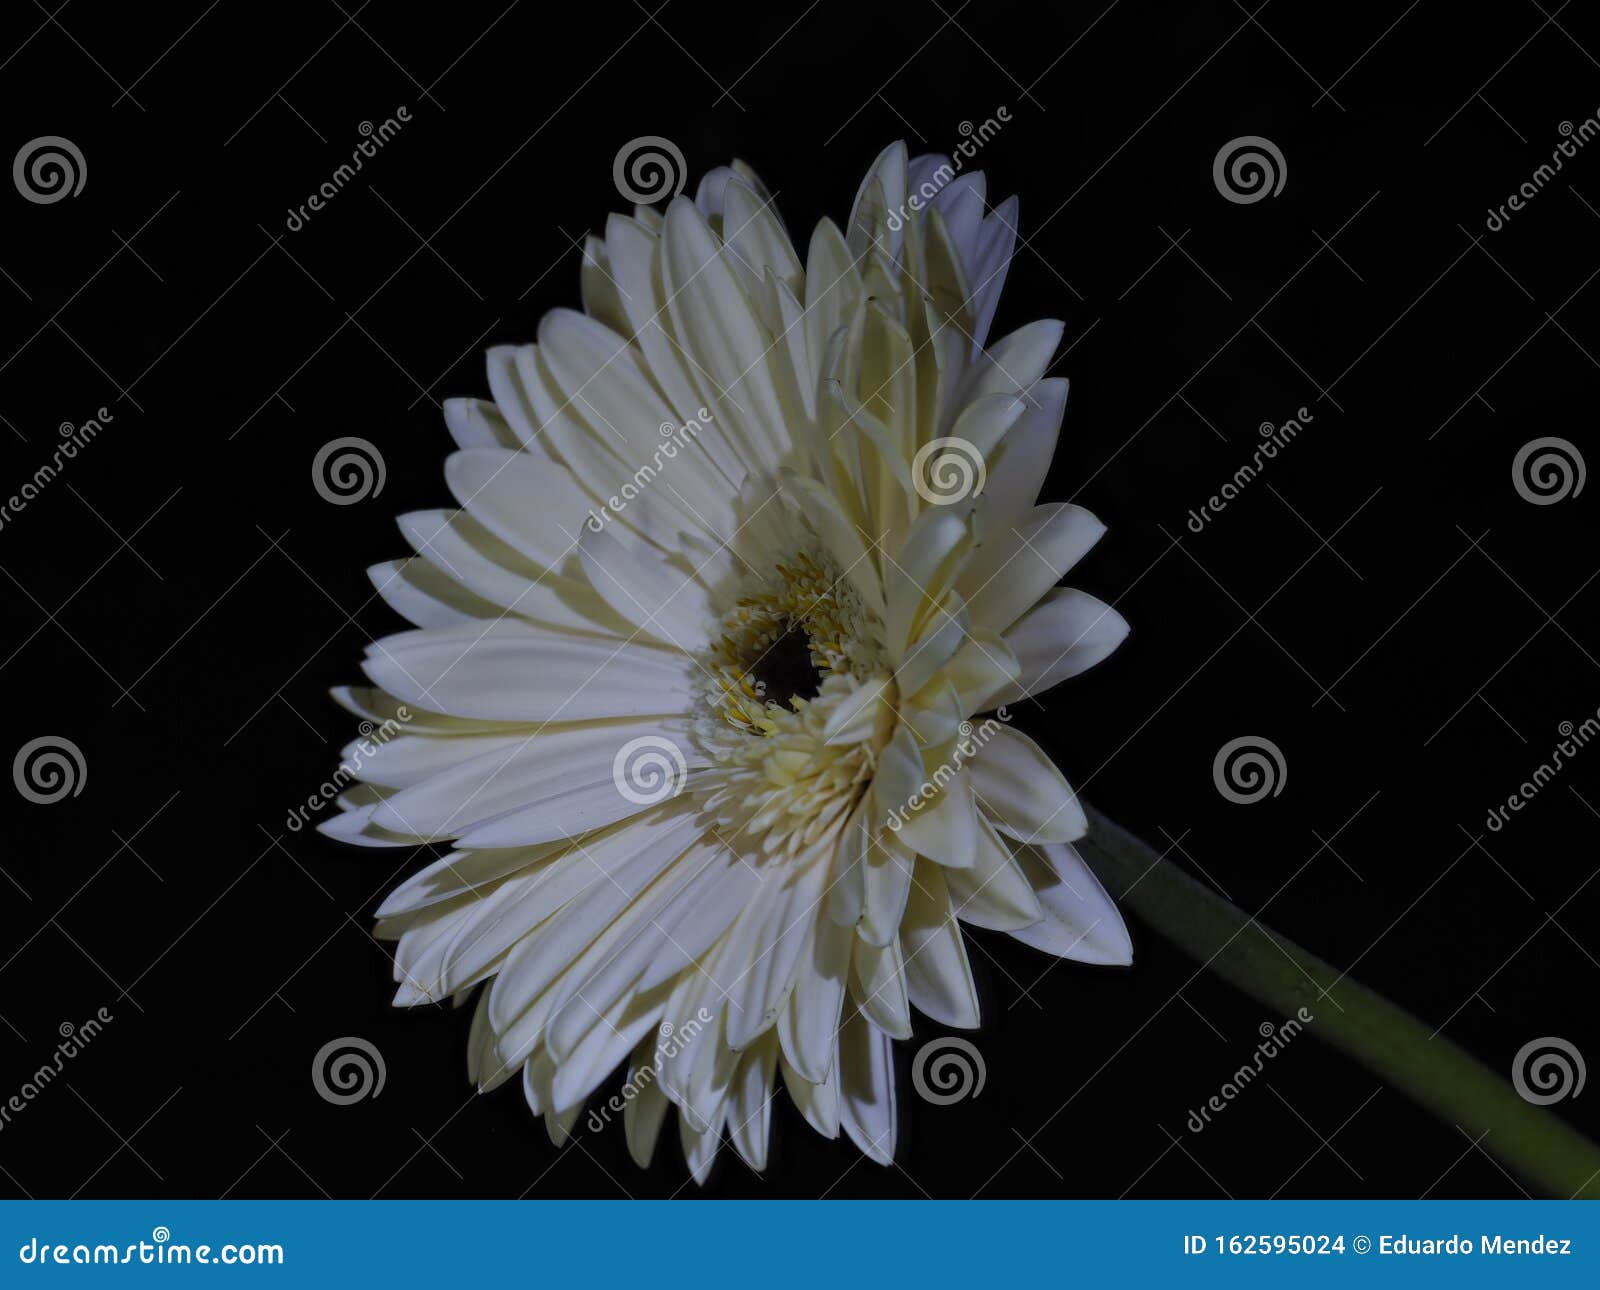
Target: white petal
[(750, 1108), (662, 601), (866, 1088), (938, 976), (476, 423), (818, 1103), (878, 987), (700, 1149), (760, 996), (1013, 570), (642, 1115), (592, 882), (461, 873), (1023, 460), (554, 782), (426, 596), (1081, 921), (533, 507), (714, 320), (510, 672), (946, 829), (994, 893), (1021, 791), (1069, 632), (809, 1026)]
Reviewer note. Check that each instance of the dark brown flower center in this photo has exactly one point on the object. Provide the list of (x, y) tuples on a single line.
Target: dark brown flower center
[(785, 669)]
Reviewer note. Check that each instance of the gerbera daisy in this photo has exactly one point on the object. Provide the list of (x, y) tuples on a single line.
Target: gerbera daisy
[(742, 549)]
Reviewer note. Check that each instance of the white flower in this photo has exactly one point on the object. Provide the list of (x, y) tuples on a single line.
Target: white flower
[(694, 663)]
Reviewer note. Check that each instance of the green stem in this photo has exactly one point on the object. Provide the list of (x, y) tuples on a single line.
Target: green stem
[(1391, 1043)]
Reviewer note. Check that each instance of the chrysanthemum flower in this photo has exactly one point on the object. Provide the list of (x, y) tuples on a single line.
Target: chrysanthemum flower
[(742, 550)]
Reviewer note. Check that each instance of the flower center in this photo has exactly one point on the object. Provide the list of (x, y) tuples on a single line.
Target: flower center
[(797, 704), (785, 671), (787, 633)]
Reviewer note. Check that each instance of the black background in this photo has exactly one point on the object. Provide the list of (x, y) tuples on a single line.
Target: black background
[(1381, 604)]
